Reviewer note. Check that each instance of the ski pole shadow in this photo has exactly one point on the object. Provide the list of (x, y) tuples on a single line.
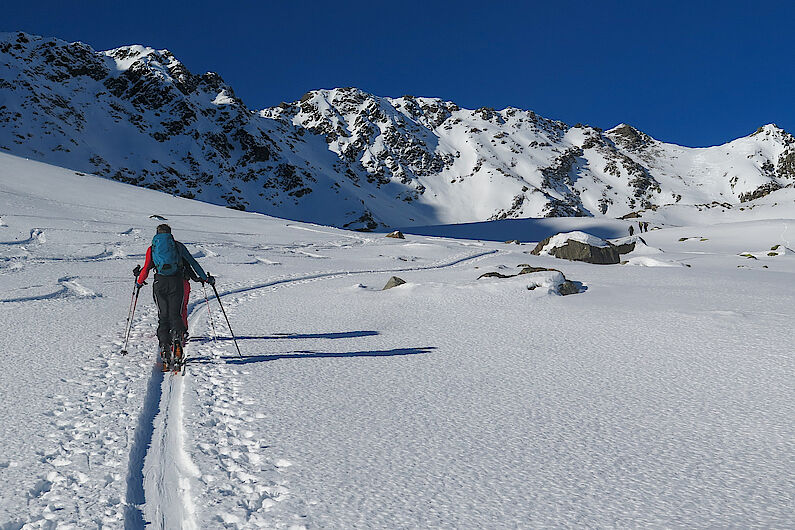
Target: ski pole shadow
[(277, 336), (308, 354)]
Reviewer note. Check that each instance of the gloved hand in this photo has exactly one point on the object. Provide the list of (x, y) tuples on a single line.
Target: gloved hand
[(139, 285), (210, 279), (137, 271)]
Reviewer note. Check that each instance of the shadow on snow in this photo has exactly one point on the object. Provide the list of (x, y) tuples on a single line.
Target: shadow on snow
[(247, 359), (340, 335)]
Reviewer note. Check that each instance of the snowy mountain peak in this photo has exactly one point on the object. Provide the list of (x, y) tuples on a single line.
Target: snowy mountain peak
[(125, 56), (773, 132), (629, 137), (346, 157)]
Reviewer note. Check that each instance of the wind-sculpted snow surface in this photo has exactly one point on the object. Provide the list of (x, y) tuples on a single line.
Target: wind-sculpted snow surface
[(656, 396), (347, 158)]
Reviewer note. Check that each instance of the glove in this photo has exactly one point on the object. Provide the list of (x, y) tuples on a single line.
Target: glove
[(137, 271), (210, 279), (139, 285)]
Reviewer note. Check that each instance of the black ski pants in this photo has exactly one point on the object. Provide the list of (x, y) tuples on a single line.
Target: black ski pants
[(169, 292)]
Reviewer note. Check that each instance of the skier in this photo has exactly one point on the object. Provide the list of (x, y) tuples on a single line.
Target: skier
[(631, 230), (173, 266)]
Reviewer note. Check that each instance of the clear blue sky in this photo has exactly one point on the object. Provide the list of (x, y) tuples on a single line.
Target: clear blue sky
[(693, 73)]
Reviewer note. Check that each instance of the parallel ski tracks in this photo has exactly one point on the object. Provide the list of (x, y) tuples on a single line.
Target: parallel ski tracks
[(160, 470)]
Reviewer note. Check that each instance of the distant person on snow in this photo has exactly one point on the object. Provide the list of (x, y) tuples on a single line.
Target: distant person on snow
[(174, 266), (631, 230)]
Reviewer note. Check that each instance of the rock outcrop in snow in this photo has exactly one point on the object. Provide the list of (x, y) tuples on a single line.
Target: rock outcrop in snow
[(578, 246), (345, 157), (551, 280), (394, 281)]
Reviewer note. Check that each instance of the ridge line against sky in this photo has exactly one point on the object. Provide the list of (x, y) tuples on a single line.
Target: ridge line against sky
[(693, 74)]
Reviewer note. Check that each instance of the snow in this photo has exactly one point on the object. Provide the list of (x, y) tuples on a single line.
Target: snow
[(125, 56), (223, 99), (647, 261), (547, 282), (658, 396)]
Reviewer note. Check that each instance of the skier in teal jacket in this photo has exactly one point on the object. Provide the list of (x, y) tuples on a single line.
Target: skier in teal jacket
[(174, 266)]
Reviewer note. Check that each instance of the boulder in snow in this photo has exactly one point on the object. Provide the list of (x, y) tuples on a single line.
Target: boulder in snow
[(568, 287), (625, 245), (578, 246), (394, 281), (397, 234), (550, 279), (554, 282)]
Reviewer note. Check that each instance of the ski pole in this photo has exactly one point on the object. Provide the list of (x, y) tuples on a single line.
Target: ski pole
[(210, 313), (227, 319), (129, 311), (133, 303)]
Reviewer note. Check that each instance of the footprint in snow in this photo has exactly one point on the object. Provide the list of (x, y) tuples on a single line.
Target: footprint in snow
[(69, 288), (36, 236)]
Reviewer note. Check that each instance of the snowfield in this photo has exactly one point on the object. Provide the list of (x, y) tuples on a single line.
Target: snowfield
[(659, 396)]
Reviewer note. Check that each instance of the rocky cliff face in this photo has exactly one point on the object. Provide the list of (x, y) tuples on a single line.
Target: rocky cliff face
[(345, 157), (139, 116)]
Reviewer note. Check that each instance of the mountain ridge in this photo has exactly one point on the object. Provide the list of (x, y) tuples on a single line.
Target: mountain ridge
[(347, 158)]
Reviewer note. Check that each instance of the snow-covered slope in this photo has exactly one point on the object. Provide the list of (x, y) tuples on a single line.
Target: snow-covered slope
[(138, 116), (347, 158), (659, 396), (472, 165)]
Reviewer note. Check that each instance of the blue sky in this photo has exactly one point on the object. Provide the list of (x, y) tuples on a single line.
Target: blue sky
[(692, 73)]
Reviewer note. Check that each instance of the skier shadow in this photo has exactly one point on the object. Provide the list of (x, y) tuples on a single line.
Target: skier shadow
[(309, 354), (276, 336)]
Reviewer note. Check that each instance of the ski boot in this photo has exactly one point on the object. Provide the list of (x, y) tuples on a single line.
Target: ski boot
[(178, 358), (165, 358)]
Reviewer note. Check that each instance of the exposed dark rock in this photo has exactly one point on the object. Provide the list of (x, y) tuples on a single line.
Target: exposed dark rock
[(495, 275), (627, 245), (630, 215), (530, 270), (629, 137), (397, 234), (760, 192), (511, 212), (567, 288), (394, 281), (577, 251), (364, 223)]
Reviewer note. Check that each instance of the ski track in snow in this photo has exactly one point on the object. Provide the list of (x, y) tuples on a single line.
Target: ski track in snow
[(287, 279), (159, 482)]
